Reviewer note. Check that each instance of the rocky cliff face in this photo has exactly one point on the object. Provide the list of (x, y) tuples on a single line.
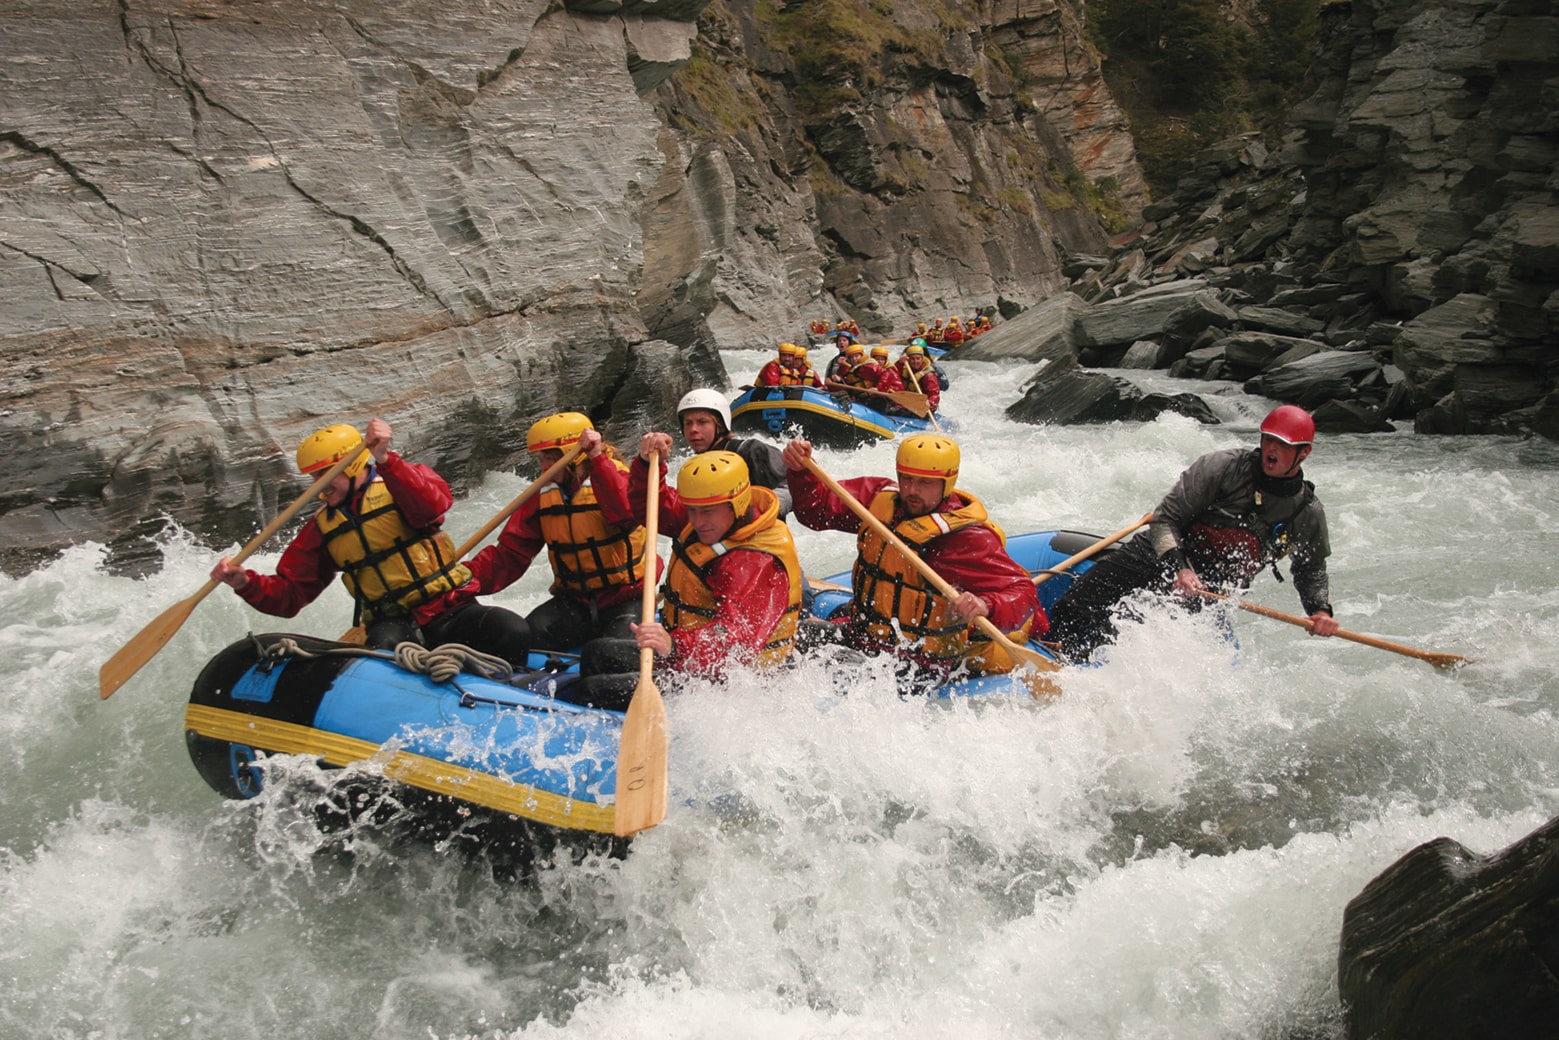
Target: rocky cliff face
[(954, 169), (1429, 155), (227, 224), (1411, 214)]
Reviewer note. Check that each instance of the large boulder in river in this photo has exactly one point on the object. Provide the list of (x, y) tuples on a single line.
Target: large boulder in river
[(1065, 393), (1317, 378), (1044, 332), (1448, 945)]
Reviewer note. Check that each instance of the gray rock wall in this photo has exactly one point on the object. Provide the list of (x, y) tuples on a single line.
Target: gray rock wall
[(1410, 214), (1429, 156), (950, 183), (225, 225)]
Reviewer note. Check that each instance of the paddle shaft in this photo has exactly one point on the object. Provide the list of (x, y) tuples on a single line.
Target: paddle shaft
[(117, 670), (1097, 547), (547, 477), (1019, 654), (1439, 660), (914, 377), (651, 533), (642, 752)]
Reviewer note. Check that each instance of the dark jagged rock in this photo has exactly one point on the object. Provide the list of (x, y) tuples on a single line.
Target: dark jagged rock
[(1251, 353), (1279, 319), (1545, 417), (1042, 333), (1350, 417), (1450, 944), (1314, 380), (1064, 393), (1145, 353), (1202, 363)]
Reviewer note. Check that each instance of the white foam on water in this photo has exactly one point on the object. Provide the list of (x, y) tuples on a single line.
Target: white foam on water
[(1165, 851)]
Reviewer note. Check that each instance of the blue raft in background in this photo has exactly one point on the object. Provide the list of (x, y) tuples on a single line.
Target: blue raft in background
[(820, 417)]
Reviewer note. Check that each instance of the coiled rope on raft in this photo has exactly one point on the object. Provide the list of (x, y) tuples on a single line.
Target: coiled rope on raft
[(439, 663)]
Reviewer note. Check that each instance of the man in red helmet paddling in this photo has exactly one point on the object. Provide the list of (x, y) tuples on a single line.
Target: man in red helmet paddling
[(1231, 513)]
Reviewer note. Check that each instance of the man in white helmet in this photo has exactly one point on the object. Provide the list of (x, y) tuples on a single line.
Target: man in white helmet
[(706, 426)]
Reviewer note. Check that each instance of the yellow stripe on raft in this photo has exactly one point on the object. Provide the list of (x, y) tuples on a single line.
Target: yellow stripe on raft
[(847, 418), (429, 774)]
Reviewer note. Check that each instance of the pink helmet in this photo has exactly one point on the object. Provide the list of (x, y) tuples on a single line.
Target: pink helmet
[(1290, 424)]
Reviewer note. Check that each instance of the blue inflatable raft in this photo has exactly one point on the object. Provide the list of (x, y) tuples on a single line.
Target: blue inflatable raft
[(792, 411), (510, 747), (1036, 553), (518, 750)]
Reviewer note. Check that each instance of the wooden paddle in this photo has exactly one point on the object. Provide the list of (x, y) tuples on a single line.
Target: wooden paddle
[(915, 378), (358, 634), (909, 401), (1096, 547), (1439, 660), (1041, 687), (642, 752), (134, 654)]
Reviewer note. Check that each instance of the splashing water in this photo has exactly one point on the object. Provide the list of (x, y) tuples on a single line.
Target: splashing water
[(1166, 851)]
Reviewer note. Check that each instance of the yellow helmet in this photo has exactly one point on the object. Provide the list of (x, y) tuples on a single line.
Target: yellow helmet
[(930, 455), (880, 353), (712, 477), (854, 350), (557, 431), (918, 349), (801, 352), (788, 349), (324, 448), (953, 319)]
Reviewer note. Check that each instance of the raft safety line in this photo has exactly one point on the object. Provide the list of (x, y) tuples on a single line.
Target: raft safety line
[(429, 774)]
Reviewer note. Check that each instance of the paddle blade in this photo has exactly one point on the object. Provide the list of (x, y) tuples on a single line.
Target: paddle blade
[(912, 402), (1031, 669), (641, 762), (117, 670), (1041, 687)]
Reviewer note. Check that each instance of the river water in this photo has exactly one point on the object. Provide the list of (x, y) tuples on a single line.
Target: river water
[(1165, 852)]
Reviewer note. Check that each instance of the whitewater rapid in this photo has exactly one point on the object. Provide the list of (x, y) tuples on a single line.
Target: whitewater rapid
[(1164, 852)]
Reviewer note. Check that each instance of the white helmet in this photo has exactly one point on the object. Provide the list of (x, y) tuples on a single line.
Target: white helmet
[(706, 400)]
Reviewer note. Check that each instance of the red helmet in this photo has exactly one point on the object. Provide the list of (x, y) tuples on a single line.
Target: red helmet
[(1290, 424)]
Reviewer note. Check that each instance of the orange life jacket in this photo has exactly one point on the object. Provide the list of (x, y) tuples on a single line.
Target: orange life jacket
[(895, 603), (388, 567), (588, 555), (687, 602)]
